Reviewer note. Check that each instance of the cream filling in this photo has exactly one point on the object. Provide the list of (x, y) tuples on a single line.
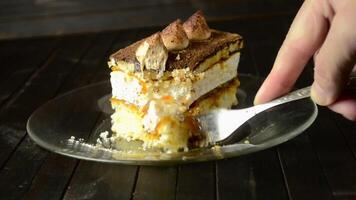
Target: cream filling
[(127, 88), (185, 88), (215, 76)]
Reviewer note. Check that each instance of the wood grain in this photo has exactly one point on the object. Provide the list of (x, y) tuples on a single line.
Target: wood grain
[(40, 17), (196, 181), (336, 157), (19, 63), (155, 183), (48, 183), (256, 176), (101, 181), (18, 171)]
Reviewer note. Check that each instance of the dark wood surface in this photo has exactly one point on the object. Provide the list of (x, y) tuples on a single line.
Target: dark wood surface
[(30, 18), (318, 164)]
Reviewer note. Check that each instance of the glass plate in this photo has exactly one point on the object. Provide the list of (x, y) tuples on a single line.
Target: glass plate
[(85, 112)]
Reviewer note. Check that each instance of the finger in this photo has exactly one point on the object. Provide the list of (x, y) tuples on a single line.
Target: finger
[(336, 58), (305, 36), (345, 106)]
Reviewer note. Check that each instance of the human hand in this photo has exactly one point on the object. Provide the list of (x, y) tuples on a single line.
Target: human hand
[(327, 30)]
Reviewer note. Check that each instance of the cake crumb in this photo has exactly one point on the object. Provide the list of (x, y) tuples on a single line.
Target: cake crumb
[(71, 139), (104, 135), (178, 57), (104, 140)]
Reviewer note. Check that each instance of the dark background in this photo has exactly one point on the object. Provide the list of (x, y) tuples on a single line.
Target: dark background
[(27, 18)]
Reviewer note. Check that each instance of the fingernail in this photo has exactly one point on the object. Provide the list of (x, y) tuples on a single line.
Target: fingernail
[(319, 95), (256, 101)]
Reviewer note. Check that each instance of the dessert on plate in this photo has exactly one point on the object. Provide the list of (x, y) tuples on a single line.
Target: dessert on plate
[(160, 83)]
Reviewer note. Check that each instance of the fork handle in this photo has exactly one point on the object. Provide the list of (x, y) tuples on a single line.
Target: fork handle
[(295, 95), (303, 93)]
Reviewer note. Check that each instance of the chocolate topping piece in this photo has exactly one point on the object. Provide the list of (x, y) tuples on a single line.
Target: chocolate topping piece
[(174, 37), (152, 54), (196, 27)]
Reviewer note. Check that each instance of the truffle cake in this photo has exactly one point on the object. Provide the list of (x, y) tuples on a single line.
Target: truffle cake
[(161, 82)]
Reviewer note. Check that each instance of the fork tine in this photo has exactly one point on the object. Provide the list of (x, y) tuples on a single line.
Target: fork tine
[(220, 124)]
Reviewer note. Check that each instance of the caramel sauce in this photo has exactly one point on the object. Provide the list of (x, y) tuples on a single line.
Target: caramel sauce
[(117, 101), (192, 124), (153, 136), (130, 106), (115, 68), (145, 108), (162, 122), (167, 98), (144, 89)]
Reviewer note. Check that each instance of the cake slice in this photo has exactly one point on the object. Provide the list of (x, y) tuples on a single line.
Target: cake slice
[(161, 82)]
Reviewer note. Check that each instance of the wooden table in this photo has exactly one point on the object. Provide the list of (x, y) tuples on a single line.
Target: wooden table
[(318, 164)]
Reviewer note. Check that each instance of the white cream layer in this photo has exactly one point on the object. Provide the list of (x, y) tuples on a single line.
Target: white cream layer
[(130, 88)]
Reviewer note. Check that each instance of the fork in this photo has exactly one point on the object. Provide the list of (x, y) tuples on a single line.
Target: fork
[(220, 124)]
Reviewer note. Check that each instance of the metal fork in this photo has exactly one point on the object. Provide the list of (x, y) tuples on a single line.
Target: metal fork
[(220, 124)]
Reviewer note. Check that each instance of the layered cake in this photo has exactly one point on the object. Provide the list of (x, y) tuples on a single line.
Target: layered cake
[(160, 83)]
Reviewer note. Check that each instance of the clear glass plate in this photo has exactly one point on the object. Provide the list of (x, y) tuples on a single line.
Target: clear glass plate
[(85, 112)]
